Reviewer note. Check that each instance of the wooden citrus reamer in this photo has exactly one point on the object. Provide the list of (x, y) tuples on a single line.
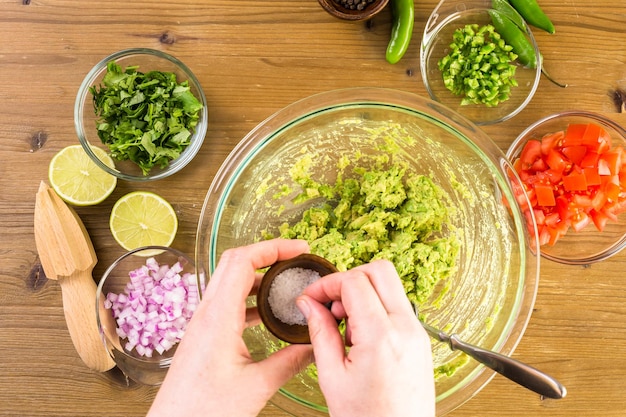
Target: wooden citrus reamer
[(67, 255)]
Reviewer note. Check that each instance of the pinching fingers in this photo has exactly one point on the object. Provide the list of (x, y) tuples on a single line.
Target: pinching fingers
[(388, 285)]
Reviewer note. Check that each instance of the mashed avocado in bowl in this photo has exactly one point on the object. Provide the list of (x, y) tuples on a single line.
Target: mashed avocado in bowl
[(379, 210), (369, 173), (385, 212)]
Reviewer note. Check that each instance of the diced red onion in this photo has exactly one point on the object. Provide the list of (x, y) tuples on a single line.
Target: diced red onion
[(153, 311)]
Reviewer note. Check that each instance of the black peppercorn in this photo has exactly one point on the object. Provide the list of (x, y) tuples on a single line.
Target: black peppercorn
[(354, 4)]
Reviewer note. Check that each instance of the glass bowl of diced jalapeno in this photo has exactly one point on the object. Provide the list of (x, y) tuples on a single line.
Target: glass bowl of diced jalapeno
[(146, 109), (481, 62)]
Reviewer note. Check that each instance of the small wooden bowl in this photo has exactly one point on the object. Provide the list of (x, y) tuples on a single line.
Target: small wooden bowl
[(290, 333), (341, 12)]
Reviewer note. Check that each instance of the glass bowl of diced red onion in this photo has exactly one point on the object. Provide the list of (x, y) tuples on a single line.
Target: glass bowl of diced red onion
[(572, 166), (144, 301)]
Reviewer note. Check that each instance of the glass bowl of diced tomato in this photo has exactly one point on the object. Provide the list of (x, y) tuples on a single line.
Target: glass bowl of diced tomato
[(572, 167)]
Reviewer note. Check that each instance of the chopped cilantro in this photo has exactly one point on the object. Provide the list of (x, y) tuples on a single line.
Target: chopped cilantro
[(148, 118)]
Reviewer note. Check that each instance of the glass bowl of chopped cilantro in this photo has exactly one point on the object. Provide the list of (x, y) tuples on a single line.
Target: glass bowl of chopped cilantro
[(479, 61), (572, 166), (373, 173), (146, 109)]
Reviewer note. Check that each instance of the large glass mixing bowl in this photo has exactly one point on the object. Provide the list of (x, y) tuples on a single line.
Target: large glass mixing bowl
[(488, 301)]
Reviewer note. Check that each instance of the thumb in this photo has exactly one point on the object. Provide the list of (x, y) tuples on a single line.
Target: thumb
[(327, 342), (282, 365)]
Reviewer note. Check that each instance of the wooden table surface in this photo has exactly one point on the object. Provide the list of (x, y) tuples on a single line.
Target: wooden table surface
[(253, 58)]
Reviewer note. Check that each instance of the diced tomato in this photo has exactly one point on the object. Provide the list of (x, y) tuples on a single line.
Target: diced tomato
[(563, 208), (574, 134), (530, 154), (612, 191), (599, 200), (613, 160), (610, 212), (556, 160), (603, 167), (532, 197), (551, 141), (571, 178), (596, 138), (575, 181), (545, 195), (544, 236), (540, 217), (622, 177), (552, 219), (520, 196), (611, 179), (539, 165), (604, 141), (615, 209), (553, 175), (580, 220), (557, 231), (590, 159), (575, 154), (599, 219), (592, 176), (583, 201), (534, 179)]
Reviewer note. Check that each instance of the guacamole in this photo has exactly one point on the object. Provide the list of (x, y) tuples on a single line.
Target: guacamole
[(370, 206), (382, 211)]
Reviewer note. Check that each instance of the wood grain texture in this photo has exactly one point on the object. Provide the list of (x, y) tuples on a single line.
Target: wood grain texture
[(253, 58)]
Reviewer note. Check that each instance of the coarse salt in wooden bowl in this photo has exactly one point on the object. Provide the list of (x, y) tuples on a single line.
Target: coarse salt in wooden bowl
[(281, 284)]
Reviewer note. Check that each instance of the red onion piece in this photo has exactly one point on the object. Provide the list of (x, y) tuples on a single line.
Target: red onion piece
[(153, 311)]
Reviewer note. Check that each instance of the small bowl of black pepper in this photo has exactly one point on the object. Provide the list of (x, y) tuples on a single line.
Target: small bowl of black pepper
[(353, 10)]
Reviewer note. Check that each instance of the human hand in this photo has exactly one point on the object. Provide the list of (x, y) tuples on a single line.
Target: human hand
[(388, 370), (212, 372)]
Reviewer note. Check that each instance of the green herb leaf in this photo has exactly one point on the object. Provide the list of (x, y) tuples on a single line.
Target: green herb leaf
[(148, 118)]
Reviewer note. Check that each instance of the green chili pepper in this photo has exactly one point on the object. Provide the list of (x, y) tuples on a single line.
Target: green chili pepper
[(402, 30), (504, 7), (515, 37), (532, 13)]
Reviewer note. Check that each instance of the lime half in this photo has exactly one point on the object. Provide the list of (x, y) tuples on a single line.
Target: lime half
[(143, 218), (77, 179)]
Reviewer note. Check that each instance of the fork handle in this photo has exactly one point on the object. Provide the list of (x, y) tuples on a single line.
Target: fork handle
[(519, 372)]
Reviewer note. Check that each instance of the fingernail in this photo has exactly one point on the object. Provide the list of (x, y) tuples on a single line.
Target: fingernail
[(304, 307)]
